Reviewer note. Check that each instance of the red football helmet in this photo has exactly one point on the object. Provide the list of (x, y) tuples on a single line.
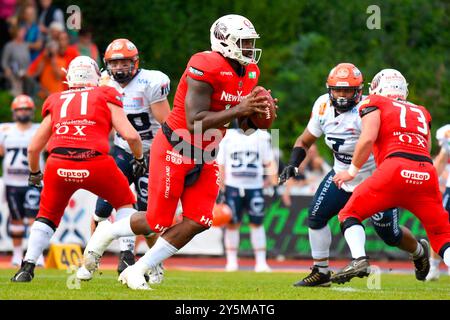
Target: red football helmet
[(121, 49), (345, 76)]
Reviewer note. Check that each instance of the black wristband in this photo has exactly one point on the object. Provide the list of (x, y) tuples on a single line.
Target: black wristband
[(298, 154), (35, 173)]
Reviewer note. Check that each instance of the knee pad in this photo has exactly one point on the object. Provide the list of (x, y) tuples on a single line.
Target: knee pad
[(257, 221), (316, 222), (347, 223)]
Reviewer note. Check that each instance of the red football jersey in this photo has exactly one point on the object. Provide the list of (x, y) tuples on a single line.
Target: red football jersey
[(405, 127), (81, 118), (229, 90)]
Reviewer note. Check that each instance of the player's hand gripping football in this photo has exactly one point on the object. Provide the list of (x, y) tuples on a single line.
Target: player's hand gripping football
[(252, 104), (35, 179), (342, 177), (140, 167), (288, 172)]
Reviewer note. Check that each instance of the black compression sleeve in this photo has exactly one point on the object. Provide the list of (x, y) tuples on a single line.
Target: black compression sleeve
[(298, 154)]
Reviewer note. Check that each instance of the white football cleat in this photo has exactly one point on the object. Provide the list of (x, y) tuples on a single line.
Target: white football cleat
[(262, 268), (156, 275), (96, 246), (433, 274), (134, 278), (84, 274)]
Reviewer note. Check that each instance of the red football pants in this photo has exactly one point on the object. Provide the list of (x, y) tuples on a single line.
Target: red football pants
[(412, 185), (166, 187), (100, 176)]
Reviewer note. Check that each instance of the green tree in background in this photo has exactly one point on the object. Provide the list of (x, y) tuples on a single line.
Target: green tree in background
[(301, 42)]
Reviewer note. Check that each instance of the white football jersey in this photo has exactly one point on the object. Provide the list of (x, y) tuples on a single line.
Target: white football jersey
[(341, 135), (443, 137), (146, 88), (15, 161), (244, 158)]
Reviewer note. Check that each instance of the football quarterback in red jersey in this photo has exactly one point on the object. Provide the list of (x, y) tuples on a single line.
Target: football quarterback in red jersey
[(399, 133), (216, 87), (75, 127)]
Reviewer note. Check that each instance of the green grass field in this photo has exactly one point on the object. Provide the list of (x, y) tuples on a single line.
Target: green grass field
[(53, 284)]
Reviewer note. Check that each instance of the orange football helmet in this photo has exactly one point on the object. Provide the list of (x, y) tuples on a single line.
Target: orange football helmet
[(222, 215), (121, 49), (345, 76), (22, 101)]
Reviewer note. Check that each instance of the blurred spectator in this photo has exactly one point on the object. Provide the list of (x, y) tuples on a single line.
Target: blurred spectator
[(311, 172), (68, 52), (86, 47), (15, 60), (33, 36), (54, 30), (49, 14), (7, 10), (49, 64)]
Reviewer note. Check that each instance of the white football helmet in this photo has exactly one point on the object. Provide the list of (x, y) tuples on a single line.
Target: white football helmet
[(83, 72), (389, 83), (227, 34)]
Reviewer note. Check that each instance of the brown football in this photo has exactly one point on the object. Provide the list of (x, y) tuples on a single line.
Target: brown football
[(264, 121)]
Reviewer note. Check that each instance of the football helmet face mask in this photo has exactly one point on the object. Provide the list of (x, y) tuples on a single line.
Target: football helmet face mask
[(343, 77), (389, 83), (122, 49), (83, 72), (22, 108), (234, 36)]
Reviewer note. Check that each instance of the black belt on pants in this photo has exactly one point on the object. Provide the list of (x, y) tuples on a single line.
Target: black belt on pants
[(181, 146), (75, 154), (411, 156)]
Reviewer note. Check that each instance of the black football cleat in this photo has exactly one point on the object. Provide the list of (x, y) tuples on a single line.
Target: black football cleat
[(25, 273), (315, 279), (422, 264), (126, 258), (357, 268)]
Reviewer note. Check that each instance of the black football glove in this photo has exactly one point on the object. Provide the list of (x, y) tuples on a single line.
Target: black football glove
[(288, 172), (140, 167), (35, 179)]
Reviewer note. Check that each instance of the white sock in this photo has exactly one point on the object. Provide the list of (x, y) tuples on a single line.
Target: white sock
[(17, 251), (38, 240), (155, 255), (320, 242), (418, 252), (434, 263), (447, 257), (122, 228), (231, 238), (258, 240), (126, 243), (356, 239)]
